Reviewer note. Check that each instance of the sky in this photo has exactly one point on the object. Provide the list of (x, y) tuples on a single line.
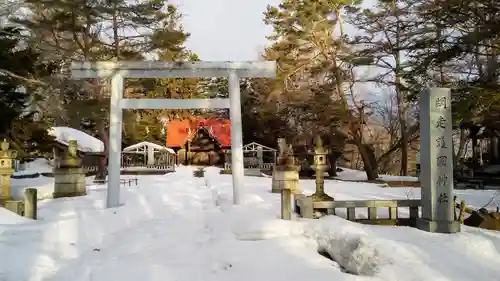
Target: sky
[(223, 30), (233, 30)]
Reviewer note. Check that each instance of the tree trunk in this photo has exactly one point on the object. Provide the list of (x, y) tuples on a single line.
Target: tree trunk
[(369, 160), (461, 147), (332, 158), (102, 167)]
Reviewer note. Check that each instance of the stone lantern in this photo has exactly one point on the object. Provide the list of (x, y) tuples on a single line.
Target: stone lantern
[(6, 168), (320, 166)]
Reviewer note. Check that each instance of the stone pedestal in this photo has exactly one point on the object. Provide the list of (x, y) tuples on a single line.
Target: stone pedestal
[(287, 177), (69, 182), (286, 171), (69, 175), (5, 174)]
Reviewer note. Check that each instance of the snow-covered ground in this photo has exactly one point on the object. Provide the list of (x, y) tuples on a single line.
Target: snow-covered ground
[(177, 227)]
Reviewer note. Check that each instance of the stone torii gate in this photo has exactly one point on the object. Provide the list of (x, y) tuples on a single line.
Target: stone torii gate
[(118, 71)]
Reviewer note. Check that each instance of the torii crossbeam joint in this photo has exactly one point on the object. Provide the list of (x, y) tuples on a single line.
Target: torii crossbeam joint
[(118, 71)]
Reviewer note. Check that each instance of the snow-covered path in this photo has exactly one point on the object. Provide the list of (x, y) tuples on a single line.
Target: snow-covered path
[(167, 243), (173, 227)]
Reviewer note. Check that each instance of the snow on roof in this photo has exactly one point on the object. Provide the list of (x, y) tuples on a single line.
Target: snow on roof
[(86, 142), (148, 144)]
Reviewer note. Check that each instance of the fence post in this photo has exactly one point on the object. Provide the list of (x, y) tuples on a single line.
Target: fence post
[(286, 204)]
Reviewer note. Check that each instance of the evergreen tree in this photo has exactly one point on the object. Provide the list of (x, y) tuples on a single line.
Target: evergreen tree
[(315, 81), (18, 118)]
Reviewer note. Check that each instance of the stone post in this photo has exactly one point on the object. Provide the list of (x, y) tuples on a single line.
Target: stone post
[(436, 158), (320, 166), (286, 204), (69, 175), (30, 203), (6, 170)]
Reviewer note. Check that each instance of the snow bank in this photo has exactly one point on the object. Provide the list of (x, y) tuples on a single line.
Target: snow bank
[(86, 143), (8, 217), (355, 175), (194, 221), (39, 165), (346, 244)]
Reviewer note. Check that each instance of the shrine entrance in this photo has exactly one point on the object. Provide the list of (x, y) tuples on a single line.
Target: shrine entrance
[(118, 71)]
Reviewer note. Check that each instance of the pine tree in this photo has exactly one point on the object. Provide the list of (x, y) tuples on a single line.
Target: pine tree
[(18, 121), (315, 79), (383, 42)]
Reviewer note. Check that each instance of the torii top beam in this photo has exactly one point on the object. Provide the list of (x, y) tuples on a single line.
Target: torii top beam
[(162, 69)]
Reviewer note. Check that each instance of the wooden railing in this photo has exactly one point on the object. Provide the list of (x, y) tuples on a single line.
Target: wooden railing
[(306, 208), (263, 166), (168, 168)]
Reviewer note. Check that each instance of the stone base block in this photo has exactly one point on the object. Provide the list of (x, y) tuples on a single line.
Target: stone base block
[(15, 206), (60, 194), (69, 182), (438, 226)]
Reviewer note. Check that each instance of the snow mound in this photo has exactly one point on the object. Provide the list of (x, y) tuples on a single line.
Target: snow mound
[(349, 246), (39, 165), (8, 217), (355, 254), (86, 143)]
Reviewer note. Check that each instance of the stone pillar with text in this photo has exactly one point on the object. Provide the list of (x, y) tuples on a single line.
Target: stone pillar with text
[(436, 160)]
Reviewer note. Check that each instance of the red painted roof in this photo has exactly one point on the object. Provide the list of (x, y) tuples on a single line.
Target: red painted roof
[(178, 131)]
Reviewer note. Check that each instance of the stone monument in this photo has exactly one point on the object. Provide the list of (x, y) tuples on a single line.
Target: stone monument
[(320, 166), (69, 175), (436, 159), (6, 160)]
